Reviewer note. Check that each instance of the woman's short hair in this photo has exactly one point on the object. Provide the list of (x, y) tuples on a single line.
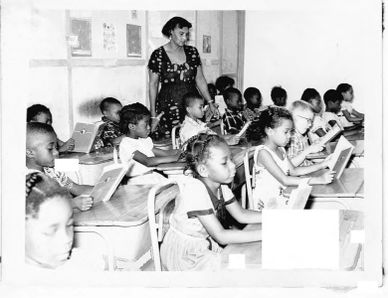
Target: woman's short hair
[(173, 23)]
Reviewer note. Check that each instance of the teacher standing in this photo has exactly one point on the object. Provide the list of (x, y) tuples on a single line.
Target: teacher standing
[(177, 67)]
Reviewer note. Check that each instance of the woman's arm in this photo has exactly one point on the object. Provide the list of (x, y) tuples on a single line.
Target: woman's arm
[(243, 215), (153, 90), (202, 85), (154, 161), (222, 236)]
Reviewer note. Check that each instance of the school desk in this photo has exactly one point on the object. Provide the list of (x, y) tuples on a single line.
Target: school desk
[(122, 224), (90, 165), (330, 147), (350, 253), (346, 192)]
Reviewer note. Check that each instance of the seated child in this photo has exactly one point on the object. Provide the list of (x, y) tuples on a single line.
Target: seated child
[(233, 119), (196, 231), (333, 100), (42, 114), (279, 96), (41, 152), (192, 126), (253, 99), (350, 115), (273, 171), (110, 135), (224, 82), (299, 148), (135, 124), (319, 127), (49, 228)]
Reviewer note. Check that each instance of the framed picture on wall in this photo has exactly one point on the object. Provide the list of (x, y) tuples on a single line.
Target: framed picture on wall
[(133, 40), (207, 46), (81, 35)]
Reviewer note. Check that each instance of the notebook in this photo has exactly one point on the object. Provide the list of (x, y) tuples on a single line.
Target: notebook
[(109, 181), (331, 134), (341, 156), (84, 135), (219, 99), (245, 127)]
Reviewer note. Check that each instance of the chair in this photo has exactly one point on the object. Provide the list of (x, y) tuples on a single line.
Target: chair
[(176, 142), (247, 189), (222, 127), (158, 225)]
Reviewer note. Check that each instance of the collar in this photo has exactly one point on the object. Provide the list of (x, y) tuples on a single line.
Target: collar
[(217, 203)]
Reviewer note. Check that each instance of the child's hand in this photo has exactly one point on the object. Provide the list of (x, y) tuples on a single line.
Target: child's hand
[(83, 202), (327, 177), (315, 148), (67, 146), (233, 140), (155, 121), (260, 205)]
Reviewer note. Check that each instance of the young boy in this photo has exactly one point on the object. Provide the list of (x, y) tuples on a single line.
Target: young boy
[(253, 99), (42, 114), (299, 148), (233, 119), (110, 135), (223, 83), (192, 125), (333, 100), (279, 96), (41, 152)]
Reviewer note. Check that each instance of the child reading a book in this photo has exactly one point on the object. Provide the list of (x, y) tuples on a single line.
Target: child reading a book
[(299, 148), (41, 113), (137, 147), (196, 231), (333, 100), (279, 96), (273, 170), (233, 119), (41, 152), (253, 99), (350, 114)]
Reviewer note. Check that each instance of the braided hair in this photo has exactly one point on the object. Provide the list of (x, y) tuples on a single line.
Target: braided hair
[(197, 150), (39, 189), (269, 118)]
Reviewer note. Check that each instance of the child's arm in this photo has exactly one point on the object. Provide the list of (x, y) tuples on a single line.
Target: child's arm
[(299, 158), (78, 189), (244, 216), (351, 118), (265, 158), (222, 236), (161, 152), (299, 171), (358, 114), (154, 161)]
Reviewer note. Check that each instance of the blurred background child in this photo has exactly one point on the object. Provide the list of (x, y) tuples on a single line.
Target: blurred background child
[(333, 100), (279, 96), (233, 119), (350, 114), (253, 101)]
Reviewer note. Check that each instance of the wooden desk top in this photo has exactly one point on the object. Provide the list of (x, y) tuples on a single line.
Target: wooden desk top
[(348, 186), (349, 252), (93, 158), (127, 207)]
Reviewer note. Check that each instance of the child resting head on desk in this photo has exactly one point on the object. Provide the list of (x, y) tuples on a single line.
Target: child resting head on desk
[(42, 114), (49, 227), (135, 124), (41, 152), (273, 171), (192, 125), (197, 225)]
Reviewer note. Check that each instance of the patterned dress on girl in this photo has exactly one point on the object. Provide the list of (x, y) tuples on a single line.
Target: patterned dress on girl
[(176, 80)]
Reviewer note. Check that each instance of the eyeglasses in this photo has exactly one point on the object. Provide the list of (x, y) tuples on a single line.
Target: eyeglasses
[(309, 120)]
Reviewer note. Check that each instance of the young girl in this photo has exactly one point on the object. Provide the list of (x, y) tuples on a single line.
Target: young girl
[(196, 231), (135, 124), (351, 115), (49, 227), (273, 170)]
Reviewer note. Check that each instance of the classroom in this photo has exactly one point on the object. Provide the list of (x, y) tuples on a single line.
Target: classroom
[(182, 140)]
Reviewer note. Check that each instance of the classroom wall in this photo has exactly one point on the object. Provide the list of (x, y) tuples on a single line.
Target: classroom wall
[(72, 87), (319, 48)]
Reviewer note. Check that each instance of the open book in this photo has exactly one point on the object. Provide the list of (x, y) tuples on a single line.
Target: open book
[(85, 134), (330, 135), (341, 156), (109, 181)]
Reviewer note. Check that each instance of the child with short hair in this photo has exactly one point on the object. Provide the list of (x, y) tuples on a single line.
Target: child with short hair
[(319, 127), (135, 124), (42, 114), (224, 82), (192, 125), (49, 228), (299, 148), (273, 170), (253, 99), (41, 152), (350, 114), (196, 231), (279, 96), (233, 119), (333, 100), (110, 135)]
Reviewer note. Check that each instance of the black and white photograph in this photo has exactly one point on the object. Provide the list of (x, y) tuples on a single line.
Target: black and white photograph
[(195, 148)]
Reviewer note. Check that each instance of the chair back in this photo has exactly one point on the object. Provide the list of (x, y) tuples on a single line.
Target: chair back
[(249, 179), (161, 202), (222, 127), (175, 140)]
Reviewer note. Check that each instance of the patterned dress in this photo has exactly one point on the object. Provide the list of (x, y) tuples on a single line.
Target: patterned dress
[(176, 80)]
